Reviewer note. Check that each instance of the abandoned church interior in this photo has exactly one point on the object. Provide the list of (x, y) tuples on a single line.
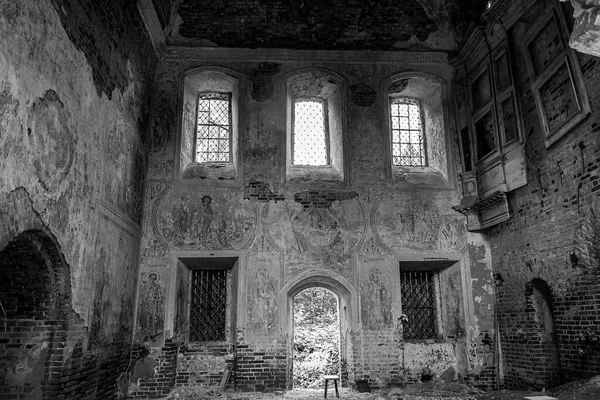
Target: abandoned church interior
[(175, 173)]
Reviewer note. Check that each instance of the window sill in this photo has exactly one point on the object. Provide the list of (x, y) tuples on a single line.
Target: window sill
[(425, 341), (210, 172), (309, 173), (426, 176)]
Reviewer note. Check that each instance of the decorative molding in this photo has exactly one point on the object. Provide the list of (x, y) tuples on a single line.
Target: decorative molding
[(120, 220), (486, 212), (373, 245), (152, 24), (474, 50), (506, 12), (173, 53), (155, 249)]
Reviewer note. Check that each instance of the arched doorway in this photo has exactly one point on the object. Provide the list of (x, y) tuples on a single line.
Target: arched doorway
[(316, 337), (347, 311), (543, 339), (33, 296)]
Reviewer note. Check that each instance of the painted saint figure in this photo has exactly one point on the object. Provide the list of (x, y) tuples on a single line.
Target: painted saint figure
[(263, 296), (151, 305), (378, 300)]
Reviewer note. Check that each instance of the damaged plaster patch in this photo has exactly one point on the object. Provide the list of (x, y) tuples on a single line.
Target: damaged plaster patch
[(362, 95), (8, 105), (52, 143), (262, 82), (29, 369), (260, 192), (143, 370), (313, 84)]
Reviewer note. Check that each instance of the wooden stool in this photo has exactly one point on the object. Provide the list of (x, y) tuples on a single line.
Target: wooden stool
[(333, 378)]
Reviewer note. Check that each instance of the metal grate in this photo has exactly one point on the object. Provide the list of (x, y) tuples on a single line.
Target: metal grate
[(208, 305), (407, 133), (418, 303), (213, 132), (310, 138)]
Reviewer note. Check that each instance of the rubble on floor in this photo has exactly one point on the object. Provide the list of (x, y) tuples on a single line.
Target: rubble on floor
[(579, 390)]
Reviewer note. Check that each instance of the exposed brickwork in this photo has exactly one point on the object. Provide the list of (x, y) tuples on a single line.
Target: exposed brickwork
[(162, 380), (362, 95), (542, 241), (257, 368), (112, 36), (322, 199), (261, 368), (262, 80), (382, 357), (35, 293), (260, 192), (310, 25)]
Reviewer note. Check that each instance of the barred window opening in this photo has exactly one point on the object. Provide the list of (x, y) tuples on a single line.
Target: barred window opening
[(310, 135), (208, 305), (213, 134), (418, 303), (408, 141)]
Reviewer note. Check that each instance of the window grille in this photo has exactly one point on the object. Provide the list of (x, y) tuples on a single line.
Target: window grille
[(418, 303), (214, 128), (408, 147), (208, 305), (310, 136)]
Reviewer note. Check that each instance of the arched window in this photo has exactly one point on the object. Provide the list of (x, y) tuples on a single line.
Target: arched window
[(417, 118), (208, 140), (315, 127)]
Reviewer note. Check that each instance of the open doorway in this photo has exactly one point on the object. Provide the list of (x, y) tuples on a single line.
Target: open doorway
[(316, 340)]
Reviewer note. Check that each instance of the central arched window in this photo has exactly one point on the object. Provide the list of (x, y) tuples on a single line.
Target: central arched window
[(408, 140), (314, 141), (310, 145)]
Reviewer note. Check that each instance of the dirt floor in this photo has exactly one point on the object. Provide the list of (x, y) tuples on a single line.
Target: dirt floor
[(579, 390)]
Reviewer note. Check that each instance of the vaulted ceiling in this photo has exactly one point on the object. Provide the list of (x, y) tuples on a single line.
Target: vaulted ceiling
[(318, 24)]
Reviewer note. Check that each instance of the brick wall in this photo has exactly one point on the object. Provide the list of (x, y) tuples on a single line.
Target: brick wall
[(320, 25), (258, 367), (382, 358), (539, 240)]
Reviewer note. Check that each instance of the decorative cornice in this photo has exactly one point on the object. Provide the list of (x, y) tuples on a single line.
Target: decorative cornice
[(496, 10), (302, 56), (478, 205), (474, 49), (506, 12), (152, 24), (486, 212)]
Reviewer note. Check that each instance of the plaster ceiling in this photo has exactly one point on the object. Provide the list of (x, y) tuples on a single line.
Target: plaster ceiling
[(318, 24)]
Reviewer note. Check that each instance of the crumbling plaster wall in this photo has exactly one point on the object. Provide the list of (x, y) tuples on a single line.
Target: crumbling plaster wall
[(72, 111), (283, 229)]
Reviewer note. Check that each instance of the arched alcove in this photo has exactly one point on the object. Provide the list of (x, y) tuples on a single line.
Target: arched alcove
[(31, 292), (348, 314), (542, 339), (36, 319)]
